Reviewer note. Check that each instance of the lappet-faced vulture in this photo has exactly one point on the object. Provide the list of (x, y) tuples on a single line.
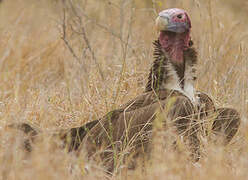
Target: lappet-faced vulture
[(169, 91)]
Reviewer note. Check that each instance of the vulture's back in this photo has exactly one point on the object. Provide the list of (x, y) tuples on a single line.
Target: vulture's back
[(131, 124)]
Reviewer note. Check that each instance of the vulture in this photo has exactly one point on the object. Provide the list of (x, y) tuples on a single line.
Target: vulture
[(169, 96)]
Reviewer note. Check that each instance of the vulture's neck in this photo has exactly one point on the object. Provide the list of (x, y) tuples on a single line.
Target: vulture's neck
[(174, 64), (174, 44)]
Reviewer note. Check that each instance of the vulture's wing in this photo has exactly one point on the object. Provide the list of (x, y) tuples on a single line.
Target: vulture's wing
[(139, 110), (132, 123)]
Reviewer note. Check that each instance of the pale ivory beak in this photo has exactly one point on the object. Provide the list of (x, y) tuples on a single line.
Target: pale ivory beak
[(161, 23)]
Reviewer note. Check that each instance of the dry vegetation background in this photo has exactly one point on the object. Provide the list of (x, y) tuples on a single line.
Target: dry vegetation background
[(57, 76)]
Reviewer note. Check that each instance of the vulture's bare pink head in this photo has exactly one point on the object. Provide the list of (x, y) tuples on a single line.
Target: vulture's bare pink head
[(174, 26)]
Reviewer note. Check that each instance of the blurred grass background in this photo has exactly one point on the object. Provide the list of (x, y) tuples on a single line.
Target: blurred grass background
[(105, 63)]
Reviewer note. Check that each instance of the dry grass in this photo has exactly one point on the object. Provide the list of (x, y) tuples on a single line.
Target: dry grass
[(43, 82)]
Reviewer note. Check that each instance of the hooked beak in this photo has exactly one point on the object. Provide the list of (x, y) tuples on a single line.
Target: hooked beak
[(162, 23)]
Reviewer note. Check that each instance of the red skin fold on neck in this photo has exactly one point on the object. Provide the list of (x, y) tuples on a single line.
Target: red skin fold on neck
[(174, 44)]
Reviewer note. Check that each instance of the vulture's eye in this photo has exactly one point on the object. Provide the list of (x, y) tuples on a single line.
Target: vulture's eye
[(179, 16)]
